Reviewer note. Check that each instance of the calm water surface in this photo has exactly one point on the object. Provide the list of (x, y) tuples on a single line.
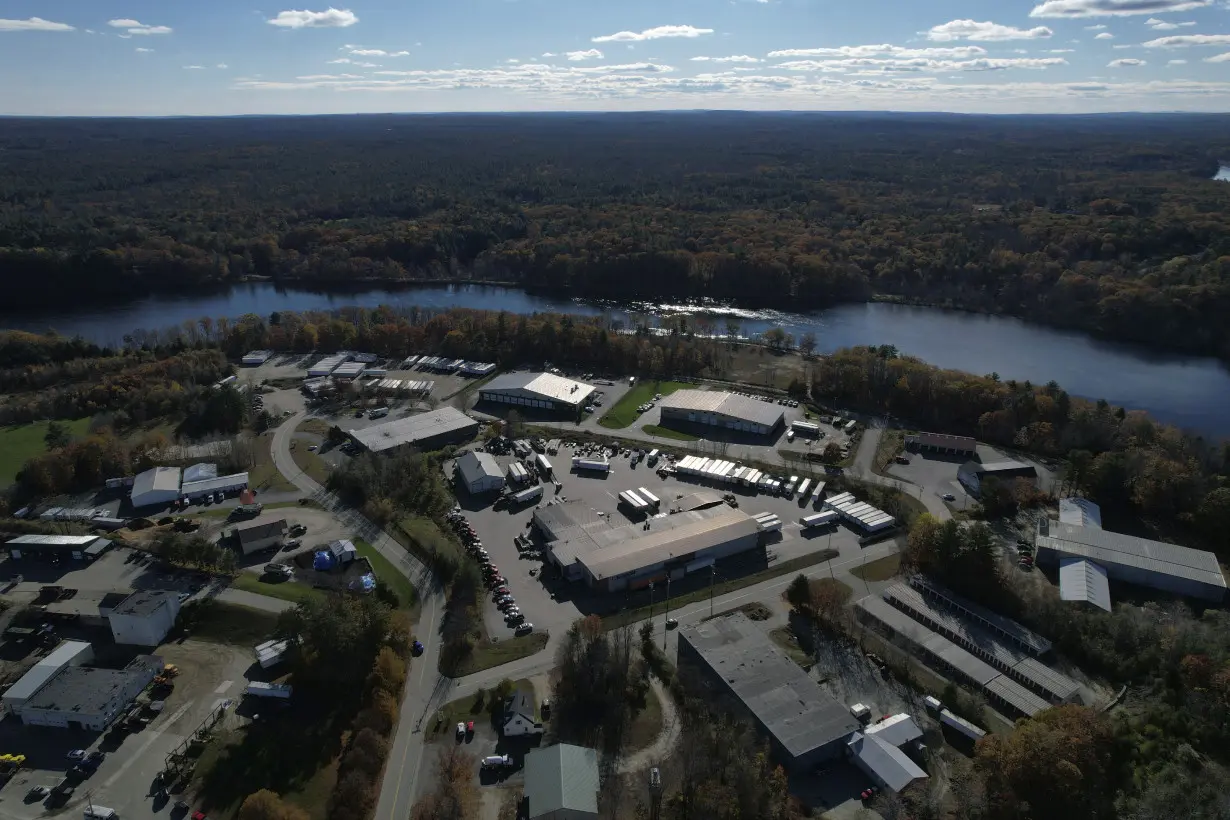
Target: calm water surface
[(1192, 392)]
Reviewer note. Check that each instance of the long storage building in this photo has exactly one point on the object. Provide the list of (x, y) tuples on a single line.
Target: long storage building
[(425, 431), (718, 408), (541, 391)]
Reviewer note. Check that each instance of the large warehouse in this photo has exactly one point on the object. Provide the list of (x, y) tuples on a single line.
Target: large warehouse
[(79, 547), (587, 548), (156, 487), (972, 474), (942, 443), (736, 661), (718, 408), (1132, 560), (89, 698), (426, 431), (68, 653), (541, 391)]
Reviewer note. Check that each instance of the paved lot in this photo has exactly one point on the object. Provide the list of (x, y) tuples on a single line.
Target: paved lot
[(936, 473), (210, 673)]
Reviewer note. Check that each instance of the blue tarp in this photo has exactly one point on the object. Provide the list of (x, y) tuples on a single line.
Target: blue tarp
[(365, 583), (324, 561)]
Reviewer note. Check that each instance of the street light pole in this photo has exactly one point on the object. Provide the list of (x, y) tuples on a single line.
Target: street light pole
[(667, 612), (712, 580)]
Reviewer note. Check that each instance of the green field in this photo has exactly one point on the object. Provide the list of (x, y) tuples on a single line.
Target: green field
[(388, 574), (283, 590), (488, 654), (623, 413), (666, 432), (22, 442)]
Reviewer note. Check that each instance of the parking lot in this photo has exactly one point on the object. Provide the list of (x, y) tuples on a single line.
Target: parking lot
[(936, 473), (553, 604)]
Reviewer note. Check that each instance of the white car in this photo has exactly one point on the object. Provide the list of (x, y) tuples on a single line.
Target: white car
[(948, 497), (524, 629), (76, 754), (461, 731)]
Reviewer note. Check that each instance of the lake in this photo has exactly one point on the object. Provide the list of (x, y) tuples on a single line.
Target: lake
[(1192, 392)]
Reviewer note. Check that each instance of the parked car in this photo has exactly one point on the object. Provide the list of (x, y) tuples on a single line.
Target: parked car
[(948, 497), (417, 649), (76, 754), (524, 629), (461, 731), (38, 793), (671, 623), (496, 762)]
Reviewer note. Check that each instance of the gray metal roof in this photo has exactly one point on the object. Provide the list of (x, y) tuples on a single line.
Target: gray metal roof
[(89, 690), (561, 778), (723, 403), (1038, 644), (944, 441), (45, 670), (447, 421), (788, 704), (222, 482), (1080, 512), (546, 385), (260, 530), (1085, 581), (145, 602), (161, 479), (679, 534), (1106, 547), (889, 763), (896, 730), (1020, 698), (477, 466)]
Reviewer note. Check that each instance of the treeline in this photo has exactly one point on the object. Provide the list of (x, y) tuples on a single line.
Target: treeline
[(1123, 460), (1110, 225)]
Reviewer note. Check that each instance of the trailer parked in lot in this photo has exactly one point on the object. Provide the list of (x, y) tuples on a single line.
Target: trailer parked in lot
[(633, 501), (528, 495), (260, 689), (827, 517), (651, 499), (591, 464)]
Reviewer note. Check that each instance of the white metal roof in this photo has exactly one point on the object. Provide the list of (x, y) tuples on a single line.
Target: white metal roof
[(1105, 547), (445, 421), (156, 479), (890, 764), (546, 385), (1081, 580), (46, 669), (896, 730), (1080, 512), (658, 545), (725, 404), (209, 485), (54, 540)]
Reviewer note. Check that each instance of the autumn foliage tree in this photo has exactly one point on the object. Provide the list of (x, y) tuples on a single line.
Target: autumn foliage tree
[(268, 805), (455, 796)]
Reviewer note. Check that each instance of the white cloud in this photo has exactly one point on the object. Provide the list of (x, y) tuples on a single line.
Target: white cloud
[(1121, 46), (1098, 27), (1163, 25), (195, 67), (1061, 51), (330, 18), (33, 24), (1220, 58), (137, 27), (1184, 40), (1105, 35), (737, 58), (1126, 62), (956, 52), (376, 52), (548, 54), (987, 31), (1176, 62), (653, 34), (1113, 8), (340, 61), (920, 65), (512, 61), (223, 65), (588, 54), (144, 50)]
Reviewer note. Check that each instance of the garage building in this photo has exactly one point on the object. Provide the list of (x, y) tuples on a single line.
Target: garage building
[(542, 391), (561, 783), (68, 653), (225, 484), (78, 547), (718, 408), (144, 618), (260, 535), (587, 548), (972, 474), (1132, 560), (425, 431), (480, 473), (942, 443), (89, 698), (158, 486), (737, 663)]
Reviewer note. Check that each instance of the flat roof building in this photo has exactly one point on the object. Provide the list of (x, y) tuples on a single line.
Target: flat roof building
[(943, 443), (735, 660), (971, 474), (1132, 560), (719, 408), (144, 618), (156, 487), (89, 698), (193, 490), (68, 653), (479, 473), (543, 391), (80, 547), (425, 431)]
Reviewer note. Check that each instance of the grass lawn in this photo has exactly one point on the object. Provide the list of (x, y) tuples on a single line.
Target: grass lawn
[(22, 442), (282, 590), (316, 426), (891, 445), (488, 653), (794, 565), (880, 569), (389, 574), (422, 538), (623, 412), (264, 475), (666, 432), (647, 724), (783, 636), (222, 622), (311, 463)]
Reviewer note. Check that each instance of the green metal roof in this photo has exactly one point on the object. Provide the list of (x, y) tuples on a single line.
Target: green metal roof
[(561, 777)]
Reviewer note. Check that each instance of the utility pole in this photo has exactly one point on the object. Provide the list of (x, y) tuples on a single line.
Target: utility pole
[(667, 612), (651, 601), (712, 581), (830, 561)]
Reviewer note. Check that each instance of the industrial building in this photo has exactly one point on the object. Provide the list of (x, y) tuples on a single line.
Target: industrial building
[(1132, 560), (77, 547), (479, 473), (68, 653), (259, 535), (879, 751), (89, 698), (225, 484), (561, 783), (942, 443), (425, 431), (971, 474), (718, 408), (327, 365), (254, 358), (1084, 582), (144, 618), (156, 487), (542, 391), (586, 547), (737, 663), (1080, 512)]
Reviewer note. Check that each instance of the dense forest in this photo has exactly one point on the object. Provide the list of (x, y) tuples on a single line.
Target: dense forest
[(1109, 224)]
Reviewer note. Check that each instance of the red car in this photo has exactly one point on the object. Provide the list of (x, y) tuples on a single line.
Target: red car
[(470, 728)]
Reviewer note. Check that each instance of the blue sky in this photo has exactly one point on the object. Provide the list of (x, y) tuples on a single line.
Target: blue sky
[(166, 57)]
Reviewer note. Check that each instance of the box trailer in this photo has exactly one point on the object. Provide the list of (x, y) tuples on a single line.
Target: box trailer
[(962, 726), (817, 492), (805, 428), (543, 464), (650, 499), (633, 501), (802, 491), (260, 689), (819, 519), (591, 464), (526, 496)]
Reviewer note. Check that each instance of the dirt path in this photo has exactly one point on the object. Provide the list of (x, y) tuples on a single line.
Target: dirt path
[(654, 753)]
